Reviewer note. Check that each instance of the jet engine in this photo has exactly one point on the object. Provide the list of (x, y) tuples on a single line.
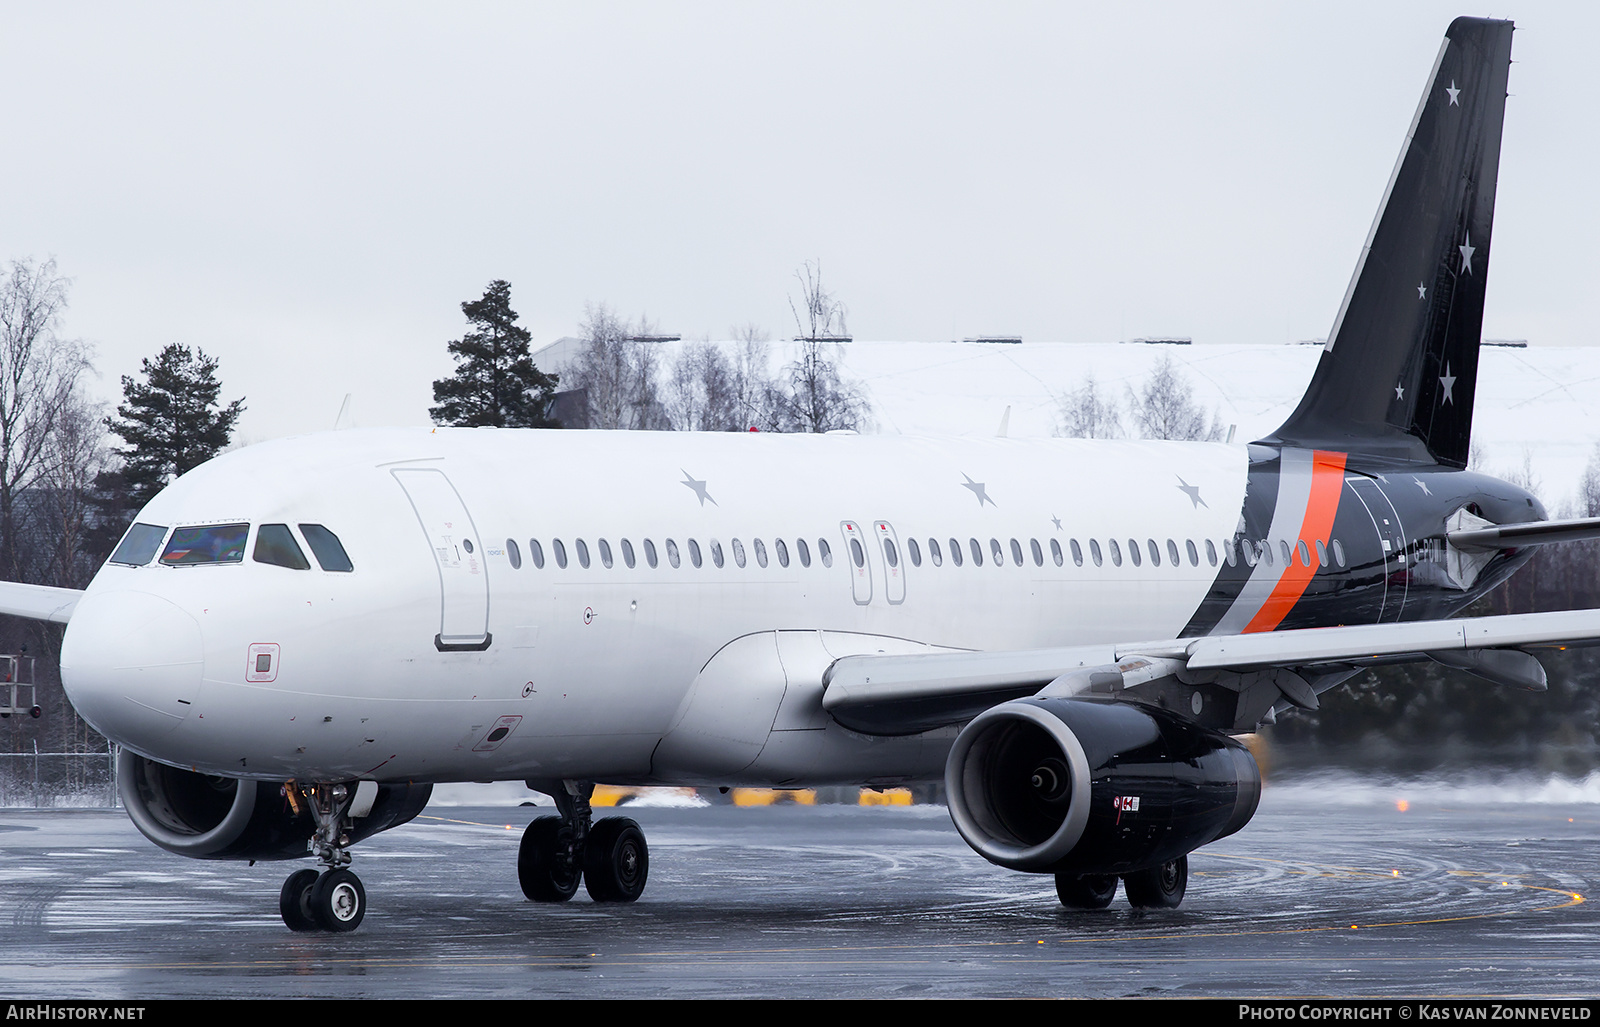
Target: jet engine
[(207, 817), (1095, 786)]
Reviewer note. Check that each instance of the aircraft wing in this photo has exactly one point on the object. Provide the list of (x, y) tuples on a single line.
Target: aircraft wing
[(38, 602), (906, 694)]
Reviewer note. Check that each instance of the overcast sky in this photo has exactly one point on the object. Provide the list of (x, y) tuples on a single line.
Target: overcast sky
[(309, 192)]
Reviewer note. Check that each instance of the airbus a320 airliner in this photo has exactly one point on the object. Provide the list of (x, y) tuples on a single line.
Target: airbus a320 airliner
[(296, 640)]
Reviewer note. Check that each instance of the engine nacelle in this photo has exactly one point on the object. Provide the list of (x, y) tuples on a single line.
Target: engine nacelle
[(206, 817), (1095, 786)]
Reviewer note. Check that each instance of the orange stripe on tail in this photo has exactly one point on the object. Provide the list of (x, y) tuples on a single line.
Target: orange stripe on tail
[(1327, 482)]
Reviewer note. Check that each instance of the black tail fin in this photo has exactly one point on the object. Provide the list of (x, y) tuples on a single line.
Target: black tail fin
[(1397, 376)]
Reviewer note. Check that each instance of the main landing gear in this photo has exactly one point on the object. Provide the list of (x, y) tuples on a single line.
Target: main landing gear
[(1158, 887), (333, 899), (610, 855)]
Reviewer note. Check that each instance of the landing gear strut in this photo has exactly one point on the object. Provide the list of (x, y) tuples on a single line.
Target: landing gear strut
[(610, 855), (334, 899)]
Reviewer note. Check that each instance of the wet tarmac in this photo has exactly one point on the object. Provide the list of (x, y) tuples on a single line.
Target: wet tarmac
[(1328, 891)]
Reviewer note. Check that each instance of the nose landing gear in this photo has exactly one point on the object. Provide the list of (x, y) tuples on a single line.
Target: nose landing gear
[(610, 855), (332, 900)]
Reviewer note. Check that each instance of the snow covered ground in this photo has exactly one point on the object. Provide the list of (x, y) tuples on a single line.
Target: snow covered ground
[(1538, 404)]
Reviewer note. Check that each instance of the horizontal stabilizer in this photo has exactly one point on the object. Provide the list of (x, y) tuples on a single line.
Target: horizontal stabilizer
[(1534, 533)]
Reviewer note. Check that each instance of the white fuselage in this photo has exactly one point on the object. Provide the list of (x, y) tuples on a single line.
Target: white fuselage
[(428, 662)]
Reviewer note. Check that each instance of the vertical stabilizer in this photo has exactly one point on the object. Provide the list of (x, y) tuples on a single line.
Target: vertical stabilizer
[(1400, 368)]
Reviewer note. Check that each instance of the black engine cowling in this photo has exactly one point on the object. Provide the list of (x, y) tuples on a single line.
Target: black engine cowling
[(1095, 786), (206, 817)]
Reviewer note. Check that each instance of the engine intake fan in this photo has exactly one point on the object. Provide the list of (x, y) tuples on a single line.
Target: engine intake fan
[(1094, 786)]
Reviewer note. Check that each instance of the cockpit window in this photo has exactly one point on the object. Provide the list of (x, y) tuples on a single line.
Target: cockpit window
[(275, 545), (213, 543), (326, 548), (139, 545)]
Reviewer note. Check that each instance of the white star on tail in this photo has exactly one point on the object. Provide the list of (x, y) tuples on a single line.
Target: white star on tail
[(1422, 293), (1467, 250), (1454, 92), (1447, 382)]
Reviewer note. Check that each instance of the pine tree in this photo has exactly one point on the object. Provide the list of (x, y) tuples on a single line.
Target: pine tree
[(495, 383), (170, 421)]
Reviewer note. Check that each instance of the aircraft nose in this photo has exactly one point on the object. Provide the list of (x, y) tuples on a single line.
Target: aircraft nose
[(132, 663)]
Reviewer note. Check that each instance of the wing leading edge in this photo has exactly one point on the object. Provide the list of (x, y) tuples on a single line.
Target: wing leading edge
[(38, 602), (1261, 672)]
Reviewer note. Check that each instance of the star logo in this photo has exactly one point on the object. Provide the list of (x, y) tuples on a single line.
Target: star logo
[(1454, 92), (699, 488), (1422, 485), (978, 490), (1057, 522), (1447, 382), (1422, 293), (1399, 391), (1193, 492), (1467, 250)]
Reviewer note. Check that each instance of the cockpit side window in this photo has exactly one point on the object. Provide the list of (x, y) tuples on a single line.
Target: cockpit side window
[(139, 545), (212, 543), (276, 545), (326, 548)]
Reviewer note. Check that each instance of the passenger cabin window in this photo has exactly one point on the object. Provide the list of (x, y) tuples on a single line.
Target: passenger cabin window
[(1133, 551), (560, 551), (824, 553), (140, 545), (1094, 551), (915, 551), (214, 543), (326, 548), (694, 553), (1211, 552), (672, 554), (583, 553), (627, 553), (976, 551), (650, 553), (536, 551), (738, 552), (716, 552), (934, 554), (275, 545), (605, 553), (1077, 553), (805, 553), (512, 553), (783, 551)]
